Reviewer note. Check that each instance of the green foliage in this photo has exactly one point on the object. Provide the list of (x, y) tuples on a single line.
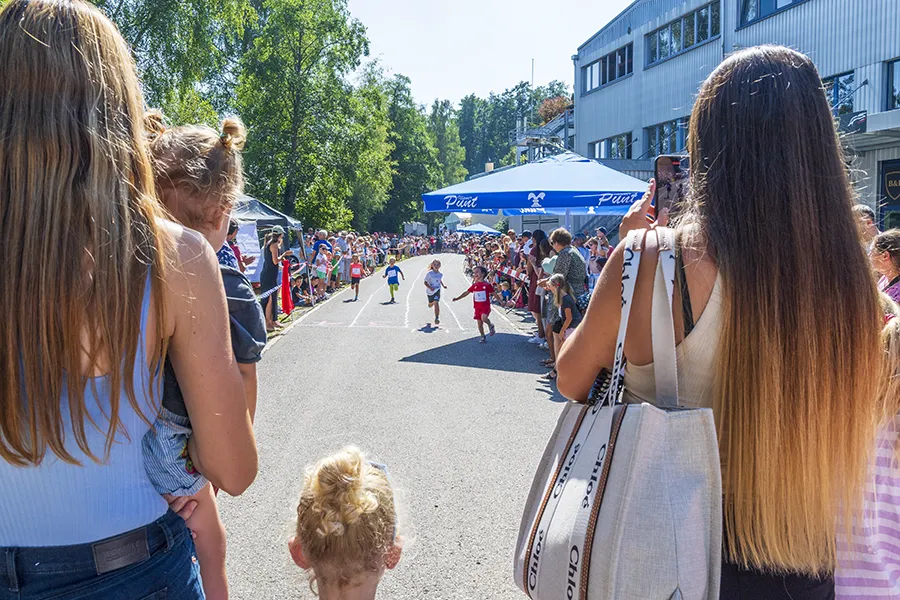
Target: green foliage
[(178, 43), (416, 164), (370, 165), (189, 107), (485, 124), (333, 153), (444, 132), (292, 93)]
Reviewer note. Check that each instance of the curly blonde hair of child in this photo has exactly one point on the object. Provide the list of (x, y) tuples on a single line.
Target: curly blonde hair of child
[(346, 518), (198, 170)]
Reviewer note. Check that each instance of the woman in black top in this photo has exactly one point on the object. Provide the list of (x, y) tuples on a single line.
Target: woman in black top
[(268, 279)]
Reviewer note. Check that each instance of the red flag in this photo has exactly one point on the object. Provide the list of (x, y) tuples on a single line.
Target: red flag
[(287, 303)]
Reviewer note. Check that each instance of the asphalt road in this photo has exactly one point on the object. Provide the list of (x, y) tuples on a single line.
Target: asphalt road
[(460, 426)]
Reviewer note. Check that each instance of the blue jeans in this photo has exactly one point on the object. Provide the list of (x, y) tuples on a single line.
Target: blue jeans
[(155, 562)]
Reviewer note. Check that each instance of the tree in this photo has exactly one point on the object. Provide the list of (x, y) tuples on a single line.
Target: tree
[(485, 125), (552, 108), (444, 132), (179, 44), (369, 148), (471, 123), (292, 93), (417, 170)]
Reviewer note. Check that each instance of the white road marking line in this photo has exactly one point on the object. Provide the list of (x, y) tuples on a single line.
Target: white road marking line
[(302, 318), (450, 308), (359, 314), (409, 295)]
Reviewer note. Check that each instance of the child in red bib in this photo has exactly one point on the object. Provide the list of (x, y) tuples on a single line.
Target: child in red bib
[(481, 292)]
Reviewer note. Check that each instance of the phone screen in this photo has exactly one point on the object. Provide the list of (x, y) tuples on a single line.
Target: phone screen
[(673, 181)]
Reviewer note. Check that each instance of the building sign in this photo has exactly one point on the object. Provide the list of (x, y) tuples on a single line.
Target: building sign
[(890, 181), (854, 122), (890, 194)]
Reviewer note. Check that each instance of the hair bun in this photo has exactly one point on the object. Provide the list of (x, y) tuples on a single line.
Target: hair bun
[(233, 134), (154, 123), (340, 497)]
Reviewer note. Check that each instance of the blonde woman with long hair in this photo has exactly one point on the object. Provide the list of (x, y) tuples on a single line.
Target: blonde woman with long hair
[(796, 387), (120, 288)]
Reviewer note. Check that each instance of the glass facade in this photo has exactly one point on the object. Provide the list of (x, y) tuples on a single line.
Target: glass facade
[(751, 10), (684, 33), (666, 138), (608, 69), (618, 146), (840, 90), (893, 85)]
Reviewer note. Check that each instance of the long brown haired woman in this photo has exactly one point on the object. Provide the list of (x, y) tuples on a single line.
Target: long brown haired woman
[(268, 279), (122, 287), (795, 388)]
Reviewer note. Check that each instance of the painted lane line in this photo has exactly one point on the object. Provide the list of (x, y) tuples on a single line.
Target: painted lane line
[(302, 318), (409, 295), (359, 314), (452, 312)]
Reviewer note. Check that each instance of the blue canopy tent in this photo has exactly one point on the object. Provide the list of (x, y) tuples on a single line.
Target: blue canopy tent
[(478, 228), (565, 184)]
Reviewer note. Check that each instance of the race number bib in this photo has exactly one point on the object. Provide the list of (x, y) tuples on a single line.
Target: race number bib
[(481, 296)]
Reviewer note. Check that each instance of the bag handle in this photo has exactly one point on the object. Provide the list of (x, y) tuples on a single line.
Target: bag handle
[(662, 325), (631, 262)]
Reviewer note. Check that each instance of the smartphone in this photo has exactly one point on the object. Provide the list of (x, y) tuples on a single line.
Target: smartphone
[(673, 181)]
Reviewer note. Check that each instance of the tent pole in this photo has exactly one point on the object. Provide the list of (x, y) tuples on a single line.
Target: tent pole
[(569, 219)]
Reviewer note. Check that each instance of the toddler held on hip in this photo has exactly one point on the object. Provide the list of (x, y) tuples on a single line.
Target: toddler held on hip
[(198, 174)]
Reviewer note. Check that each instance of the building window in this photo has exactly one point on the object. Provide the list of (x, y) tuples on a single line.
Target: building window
[(893, 85), (618, 146), (666, 138), (751, 10), (684, 33), (840, 91), (609, 68)]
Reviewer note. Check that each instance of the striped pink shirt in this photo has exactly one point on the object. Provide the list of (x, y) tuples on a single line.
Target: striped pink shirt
[(869, 563)]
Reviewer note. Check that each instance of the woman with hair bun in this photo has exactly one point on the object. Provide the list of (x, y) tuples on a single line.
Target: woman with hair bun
[(346, 532)]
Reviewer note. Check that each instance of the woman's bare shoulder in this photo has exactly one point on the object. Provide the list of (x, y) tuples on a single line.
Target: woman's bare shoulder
[(188, 245)]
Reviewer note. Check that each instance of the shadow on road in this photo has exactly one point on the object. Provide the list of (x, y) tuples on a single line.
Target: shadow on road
[(553, 394), (503, 352), (429, 329)]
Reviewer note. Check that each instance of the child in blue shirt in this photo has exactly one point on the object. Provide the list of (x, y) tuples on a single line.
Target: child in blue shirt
[(393, 274)]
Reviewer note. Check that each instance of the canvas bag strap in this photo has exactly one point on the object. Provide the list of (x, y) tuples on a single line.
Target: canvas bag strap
[(662, 325), (631, 262)]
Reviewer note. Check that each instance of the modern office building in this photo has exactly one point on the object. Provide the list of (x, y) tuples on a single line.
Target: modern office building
[(636, 79)]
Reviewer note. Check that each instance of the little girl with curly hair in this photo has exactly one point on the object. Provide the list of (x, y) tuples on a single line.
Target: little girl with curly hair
[(346, 534)]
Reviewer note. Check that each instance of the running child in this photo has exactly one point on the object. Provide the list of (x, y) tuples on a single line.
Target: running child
[(393, 274), (357, 272), (481, 292), (347, 535), (434, 281)]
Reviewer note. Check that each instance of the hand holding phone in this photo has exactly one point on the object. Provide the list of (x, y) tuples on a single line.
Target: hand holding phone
[(673, 182)]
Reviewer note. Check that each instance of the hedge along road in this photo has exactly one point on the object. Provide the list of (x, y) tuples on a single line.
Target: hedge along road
[(460, 426)]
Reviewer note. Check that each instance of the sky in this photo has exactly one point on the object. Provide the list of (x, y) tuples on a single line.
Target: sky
[(452, 48)]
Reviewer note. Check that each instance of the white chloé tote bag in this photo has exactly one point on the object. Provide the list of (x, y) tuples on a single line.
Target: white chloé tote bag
[(626, 503)]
